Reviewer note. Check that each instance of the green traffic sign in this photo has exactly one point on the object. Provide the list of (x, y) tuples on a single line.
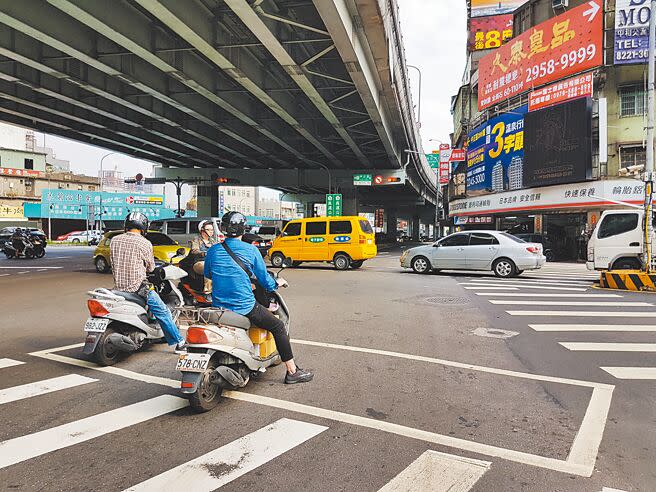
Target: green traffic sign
[(433, 160), (334, 205), (362, 179)]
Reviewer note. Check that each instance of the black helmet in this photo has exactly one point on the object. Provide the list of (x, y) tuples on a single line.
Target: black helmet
[(136, 220), (233, 224)]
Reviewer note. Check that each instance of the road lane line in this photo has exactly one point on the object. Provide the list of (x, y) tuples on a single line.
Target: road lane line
[(4, 274), (539, 294), (22, 273), (569, 327), (39, 443), (644, 373), (572, 303), (28, 268), (609, 347), (532, 282), (538, 287), (37, 388), (42, 270), (489, 288), (438, 472), (587, 314), (237, 458), (9, 363)]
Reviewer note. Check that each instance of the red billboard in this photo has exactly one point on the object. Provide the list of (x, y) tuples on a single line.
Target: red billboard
[(567, 44), (578, 86), (487, 33)]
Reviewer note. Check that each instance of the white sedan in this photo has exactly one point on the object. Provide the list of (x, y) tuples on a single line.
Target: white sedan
[(500, 252)]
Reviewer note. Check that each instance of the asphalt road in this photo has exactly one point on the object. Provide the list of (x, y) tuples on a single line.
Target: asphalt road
[(400, 374)]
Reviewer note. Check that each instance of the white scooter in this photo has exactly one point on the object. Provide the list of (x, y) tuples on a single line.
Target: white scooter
[(224, 350), (121, 323)]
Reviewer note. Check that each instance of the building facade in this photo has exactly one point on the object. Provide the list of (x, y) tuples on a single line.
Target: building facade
[(555, 117)]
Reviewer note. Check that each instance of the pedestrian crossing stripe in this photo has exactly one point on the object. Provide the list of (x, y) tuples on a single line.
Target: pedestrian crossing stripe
[(9, 363), (38, 388), (628, 280)]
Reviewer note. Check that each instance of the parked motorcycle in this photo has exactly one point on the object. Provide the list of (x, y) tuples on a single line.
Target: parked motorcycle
[(120, 322), (225, 351), (25, 246)]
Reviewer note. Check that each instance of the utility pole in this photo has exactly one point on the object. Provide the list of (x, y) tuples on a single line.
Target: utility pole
[(649, 167)]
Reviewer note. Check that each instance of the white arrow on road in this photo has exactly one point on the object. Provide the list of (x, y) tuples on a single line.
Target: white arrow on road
[(591, 13)]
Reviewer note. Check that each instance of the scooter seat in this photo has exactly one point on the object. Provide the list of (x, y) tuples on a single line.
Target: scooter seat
[(131, 296), (226, 317)]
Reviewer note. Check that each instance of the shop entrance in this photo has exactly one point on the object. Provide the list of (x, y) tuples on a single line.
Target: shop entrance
[(566, 234)]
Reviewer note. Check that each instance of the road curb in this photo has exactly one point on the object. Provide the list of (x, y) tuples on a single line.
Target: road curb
[(634, 280)]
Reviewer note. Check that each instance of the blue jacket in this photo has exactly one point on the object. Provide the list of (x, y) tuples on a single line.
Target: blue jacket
[(231, 287)]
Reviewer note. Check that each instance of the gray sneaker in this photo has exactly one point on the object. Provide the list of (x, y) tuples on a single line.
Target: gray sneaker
[(300, 376), (181, 348)]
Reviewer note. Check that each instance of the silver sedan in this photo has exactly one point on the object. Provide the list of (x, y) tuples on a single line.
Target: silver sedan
[(499, 252)]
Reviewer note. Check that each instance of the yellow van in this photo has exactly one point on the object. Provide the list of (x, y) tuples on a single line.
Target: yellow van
[(344, 241)]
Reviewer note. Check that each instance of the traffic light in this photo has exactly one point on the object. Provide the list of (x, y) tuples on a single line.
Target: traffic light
[(226, 181), (393, 179)]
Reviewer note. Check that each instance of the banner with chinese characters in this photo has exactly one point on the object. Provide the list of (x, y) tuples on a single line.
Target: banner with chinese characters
[(484, 8), (580, 86), (565, 45), (82, 205), (11, 211), (631, 31), (23, 173), (486, 33), (495, 154), (466, 220), (591, 196)]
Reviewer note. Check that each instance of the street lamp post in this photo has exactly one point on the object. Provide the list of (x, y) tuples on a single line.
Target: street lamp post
[(101, 187), (419, 101), (649, 164)]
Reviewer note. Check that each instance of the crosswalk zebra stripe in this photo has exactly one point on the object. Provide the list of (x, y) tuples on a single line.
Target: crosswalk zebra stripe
[(538, 287), (438, 472), (541, 294), (9, 363), (569, 327), (587, 314), (568, 283), (236, 458), (489, 288), (32, 445), (609, 347), (643, 373), (37, 388), (572, 303)]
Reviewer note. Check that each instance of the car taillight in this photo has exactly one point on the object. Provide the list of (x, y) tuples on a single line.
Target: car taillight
[(362, 239), (255, 243), (96, 309), (533, 249)]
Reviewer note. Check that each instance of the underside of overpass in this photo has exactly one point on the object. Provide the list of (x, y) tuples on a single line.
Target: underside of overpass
[(202, 85)]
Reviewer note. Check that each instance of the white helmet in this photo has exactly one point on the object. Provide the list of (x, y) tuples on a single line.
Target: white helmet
[(201, 224)]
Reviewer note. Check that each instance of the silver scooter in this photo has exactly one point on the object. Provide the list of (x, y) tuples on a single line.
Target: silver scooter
[(120, 322), (225, 351)]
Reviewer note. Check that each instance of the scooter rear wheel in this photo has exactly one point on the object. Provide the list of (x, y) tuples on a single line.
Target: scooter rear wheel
[(104, 354), (207, 395)]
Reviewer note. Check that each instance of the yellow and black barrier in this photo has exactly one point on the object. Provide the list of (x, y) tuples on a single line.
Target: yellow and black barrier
[(628, 280)]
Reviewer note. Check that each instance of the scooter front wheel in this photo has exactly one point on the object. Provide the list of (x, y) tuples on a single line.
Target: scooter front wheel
[(105, 354), (207, 395)]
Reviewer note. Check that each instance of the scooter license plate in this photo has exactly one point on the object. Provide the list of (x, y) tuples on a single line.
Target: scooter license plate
[(193, 362), (95, 324)]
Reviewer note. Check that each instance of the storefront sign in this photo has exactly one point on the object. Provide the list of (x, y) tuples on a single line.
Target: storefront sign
[(473, 220), (559, 144), (579, 86), (70, 204), (495, 154), (458, 155), (487, 33), (11, 211), (23, 173), (483, 8), (445, 156), (562, 46), (631, 31), (592, 195), (379, 218)]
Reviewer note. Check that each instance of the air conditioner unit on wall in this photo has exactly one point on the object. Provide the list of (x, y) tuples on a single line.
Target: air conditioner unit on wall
[(560, 4)]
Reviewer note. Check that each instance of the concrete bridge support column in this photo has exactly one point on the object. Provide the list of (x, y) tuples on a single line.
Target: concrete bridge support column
[(208, 201), (350, 202), (392, 218), (415, 228)]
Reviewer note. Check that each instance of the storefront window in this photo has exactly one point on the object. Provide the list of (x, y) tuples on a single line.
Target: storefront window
[(633, 156)]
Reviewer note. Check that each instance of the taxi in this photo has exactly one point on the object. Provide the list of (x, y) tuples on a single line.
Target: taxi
[(346, 242), (164, 248)]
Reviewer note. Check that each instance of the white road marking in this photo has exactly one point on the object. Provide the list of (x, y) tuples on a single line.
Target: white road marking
[(438, 472), (568, 283), (600, 399), (609, 347), (489, 288), (4, 274), (9, 363), (29, 267), (22, 273), (631, 372), (29, 390), (572, 303), (608, 489), (539, 294), (566, 327), (538, 287), (39, 443), (237, 458), (588, 314), (42, 270)]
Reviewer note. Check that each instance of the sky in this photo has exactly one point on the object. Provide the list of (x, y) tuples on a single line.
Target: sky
[(435, 41)]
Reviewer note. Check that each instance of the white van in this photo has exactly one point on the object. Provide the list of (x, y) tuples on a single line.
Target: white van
[(617, 242)]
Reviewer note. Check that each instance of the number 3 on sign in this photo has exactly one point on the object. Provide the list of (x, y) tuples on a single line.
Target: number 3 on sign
[(498, 130)]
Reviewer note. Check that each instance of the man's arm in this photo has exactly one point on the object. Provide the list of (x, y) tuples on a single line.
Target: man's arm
[(149, 260), (260, 271)]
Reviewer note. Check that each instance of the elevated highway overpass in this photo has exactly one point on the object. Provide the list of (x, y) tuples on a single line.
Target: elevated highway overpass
[(279, 90)]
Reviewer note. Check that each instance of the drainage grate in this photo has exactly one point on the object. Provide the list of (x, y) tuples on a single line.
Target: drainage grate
[(448, 300)]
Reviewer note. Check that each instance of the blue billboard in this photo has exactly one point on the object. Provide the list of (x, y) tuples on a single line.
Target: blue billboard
[(495, 154)]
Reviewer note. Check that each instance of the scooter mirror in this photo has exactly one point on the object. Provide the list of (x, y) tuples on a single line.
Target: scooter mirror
[(181, 252)]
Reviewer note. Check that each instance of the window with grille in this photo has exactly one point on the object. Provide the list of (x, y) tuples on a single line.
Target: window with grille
[(632, 101), (633, 156)]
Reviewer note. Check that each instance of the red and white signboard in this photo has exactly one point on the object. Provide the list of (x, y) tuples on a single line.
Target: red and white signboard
[(565, 45), (445, 156), (23, 173), (458, 155), (378, 180), (573, 88)]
